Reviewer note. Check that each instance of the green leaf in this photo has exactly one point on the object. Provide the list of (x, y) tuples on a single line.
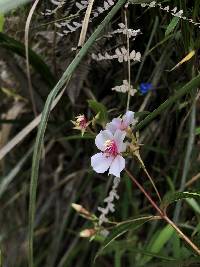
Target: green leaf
[(172, 25), (2, 19), (99, 109), (158, 242), (193, 204), (36, 61), (197, 131), (121, 229), (172, 197)]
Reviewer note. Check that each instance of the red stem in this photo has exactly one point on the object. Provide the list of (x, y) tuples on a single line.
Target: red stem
[(163, 214)]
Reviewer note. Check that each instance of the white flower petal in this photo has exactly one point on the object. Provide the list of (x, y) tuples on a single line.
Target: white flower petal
[(100, 163), (114, 125), (128, 118), (101, 138), (117, 166), (119, 138)]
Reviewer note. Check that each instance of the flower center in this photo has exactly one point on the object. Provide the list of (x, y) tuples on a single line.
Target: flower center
[(111, 148)]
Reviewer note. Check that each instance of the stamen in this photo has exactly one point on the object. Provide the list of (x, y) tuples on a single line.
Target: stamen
[(111, 148), (81, 121)]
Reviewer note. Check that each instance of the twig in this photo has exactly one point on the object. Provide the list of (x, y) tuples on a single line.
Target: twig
[(85, 24), (192, 180)]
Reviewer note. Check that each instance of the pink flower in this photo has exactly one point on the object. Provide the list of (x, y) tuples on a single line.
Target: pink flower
[(121, 123), (81, 123), (110, 158)]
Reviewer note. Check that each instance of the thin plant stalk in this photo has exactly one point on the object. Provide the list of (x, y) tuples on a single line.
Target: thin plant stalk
[(129, 61), (147, 174), (26, 37)]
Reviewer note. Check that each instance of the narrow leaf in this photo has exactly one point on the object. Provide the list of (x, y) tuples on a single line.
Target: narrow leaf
[(173, 197), (193, 204), (158, 243), (36, 61), (172, 25)]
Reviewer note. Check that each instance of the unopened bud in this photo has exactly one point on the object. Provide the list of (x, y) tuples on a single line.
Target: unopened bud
[(80, 209), (87, 233), (81, 123)]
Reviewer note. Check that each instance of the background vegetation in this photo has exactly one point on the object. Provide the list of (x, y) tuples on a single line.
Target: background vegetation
[(169, 135)]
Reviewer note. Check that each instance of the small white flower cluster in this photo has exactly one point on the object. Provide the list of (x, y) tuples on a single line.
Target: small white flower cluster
[(73, 26), (121, 54), (122, 29), (58, 3), (174, 12), (124, 88), (110, 207)]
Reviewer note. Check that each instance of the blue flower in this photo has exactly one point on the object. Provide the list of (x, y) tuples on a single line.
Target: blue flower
[(145, 88)]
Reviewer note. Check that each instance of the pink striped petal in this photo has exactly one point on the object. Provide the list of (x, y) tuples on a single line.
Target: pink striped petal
[(117, 166), (101, 138), (119, 138), (128, 118), (114, 125)]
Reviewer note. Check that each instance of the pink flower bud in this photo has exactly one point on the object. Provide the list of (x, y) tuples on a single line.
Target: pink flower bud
[(87, 233), (81, 123)]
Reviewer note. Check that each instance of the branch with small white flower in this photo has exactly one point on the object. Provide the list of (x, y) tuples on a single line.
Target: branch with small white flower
[(124, 88), (110, 207), (122, 30), (174, 12), (73, 26), (121, 54)]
